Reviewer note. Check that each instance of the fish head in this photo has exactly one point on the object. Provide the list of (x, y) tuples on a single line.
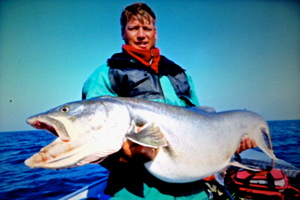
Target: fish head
[(86, 131), (71, 120)]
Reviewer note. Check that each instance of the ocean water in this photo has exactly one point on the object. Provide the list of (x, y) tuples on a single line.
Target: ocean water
[(20, 182)]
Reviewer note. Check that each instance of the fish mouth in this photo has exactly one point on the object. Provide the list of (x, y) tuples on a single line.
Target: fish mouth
[(51, 125), (44, 126)]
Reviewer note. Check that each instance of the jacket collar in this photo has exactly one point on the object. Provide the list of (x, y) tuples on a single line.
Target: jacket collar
[(165, 66)]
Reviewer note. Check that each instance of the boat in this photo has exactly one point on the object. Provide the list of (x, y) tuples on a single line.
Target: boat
[(253, 158)]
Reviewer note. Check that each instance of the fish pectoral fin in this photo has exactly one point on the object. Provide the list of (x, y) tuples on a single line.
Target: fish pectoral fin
[(240, 165), (148, 135), (207, 109)]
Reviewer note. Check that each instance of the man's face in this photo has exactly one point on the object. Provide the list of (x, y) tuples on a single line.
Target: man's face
[(140, 35)]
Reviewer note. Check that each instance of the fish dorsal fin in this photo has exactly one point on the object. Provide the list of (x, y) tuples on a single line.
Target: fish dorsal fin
[(207, 109), (148, 135), (203, 109)]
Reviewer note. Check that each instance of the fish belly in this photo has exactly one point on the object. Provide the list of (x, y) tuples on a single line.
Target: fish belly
[(173, 170)]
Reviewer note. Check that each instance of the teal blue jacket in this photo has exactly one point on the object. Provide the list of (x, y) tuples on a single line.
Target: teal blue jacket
[(124, 76)]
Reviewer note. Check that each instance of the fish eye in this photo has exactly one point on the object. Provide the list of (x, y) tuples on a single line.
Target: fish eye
[(65, 109)]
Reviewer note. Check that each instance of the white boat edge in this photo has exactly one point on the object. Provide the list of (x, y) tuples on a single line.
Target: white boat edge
[(94, 190)]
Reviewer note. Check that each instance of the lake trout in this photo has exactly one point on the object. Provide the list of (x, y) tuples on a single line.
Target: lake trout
[(192, 143)]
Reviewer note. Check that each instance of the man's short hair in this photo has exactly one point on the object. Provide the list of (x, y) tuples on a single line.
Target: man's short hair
[(140, 11)]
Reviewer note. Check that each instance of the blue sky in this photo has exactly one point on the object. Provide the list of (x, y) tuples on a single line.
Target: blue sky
[(241, 54)]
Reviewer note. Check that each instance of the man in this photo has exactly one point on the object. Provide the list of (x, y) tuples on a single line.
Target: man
[(140, 71)]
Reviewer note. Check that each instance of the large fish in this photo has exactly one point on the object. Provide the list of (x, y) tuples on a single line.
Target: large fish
[(192, 144)]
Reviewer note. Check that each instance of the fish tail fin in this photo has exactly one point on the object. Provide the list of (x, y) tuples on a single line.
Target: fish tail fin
[(265, 132)]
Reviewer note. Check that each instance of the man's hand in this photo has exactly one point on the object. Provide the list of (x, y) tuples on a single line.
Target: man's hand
[(137, 153), (246, 143)]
